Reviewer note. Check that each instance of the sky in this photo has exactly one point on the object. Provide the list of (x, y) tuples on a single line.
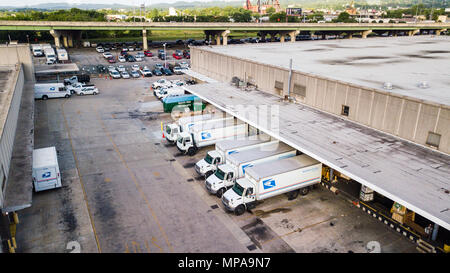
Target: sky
[(124, 2)]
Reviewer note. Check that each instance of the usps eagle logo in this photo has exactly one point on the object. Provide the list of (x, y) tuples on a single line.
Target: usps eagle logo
[(268, 183), (206, 135), (46, 175)]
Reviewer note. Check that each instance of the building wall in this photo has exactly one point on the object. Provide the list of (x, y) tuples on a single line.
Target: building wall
[(21, 53), (9, 130), (405, 117)]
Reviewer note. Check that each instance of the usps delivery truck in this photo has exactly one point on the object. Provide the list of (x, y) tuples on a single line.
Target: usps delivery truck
[(46, 173)]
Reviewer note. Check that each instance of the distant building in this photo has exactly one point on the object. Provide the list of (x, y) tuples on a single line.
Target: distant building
[(116, 17), (442, 18), (172, 11)]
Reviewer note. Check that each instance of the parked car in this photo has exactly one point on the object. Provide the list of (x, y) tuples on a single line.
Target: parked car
[(111, 60), (122, 59), (146, 72), (158, 66), (124, 49), (140, 54), (138, 58), (100, 49), (124, 53), (107, 55), (177, 70), (183, 65), (130, 48), (148, 53), (135, 74), (135, 67), (121, 68), (101, 68), (88, 90), (114, 74), (157, 72), (130, 58), (166, 71), (186, 54), (125, 74), (111, 67)]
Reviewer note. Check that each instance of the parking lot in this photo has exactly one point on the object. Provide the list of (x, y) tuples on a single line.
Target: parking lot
[(126, 190)]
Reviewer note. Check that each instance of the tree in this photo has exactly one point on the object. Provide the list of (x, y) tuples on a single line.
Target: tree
[(278, 17), (270, 11), (344, 17)]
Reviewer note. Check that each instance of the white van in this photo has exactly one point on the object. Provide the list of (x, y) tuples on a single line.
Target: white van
[(50, 90), (46, 173)]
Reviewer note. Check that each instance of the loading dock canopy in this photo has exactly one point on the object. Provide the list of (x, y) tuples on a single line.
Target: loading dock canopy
[(412, 175)]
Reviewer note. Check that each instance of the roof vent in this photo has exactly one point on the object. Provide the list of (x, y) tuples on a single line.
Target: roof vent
[(423, 85), (387, 85)]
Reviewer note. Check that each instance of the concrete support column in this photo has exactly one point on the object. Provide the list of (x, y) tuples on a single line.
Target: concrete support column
[(324, 36), (263, 36), (70, 40), (350, 35), (65, 42), (281, 37), (438, 32), (56, 35), (144, 39), (225, 37), (413, 32), (435, 232), (293, 34), (365, 33)]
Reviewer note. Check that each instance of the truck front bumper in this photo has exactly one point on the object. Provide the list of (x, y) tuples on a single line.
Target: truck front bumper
[(197, 169), (210, 190), (227, 207)]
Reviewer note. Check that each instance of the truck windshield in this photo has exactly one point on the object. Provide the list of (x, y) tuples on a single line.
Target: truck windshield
[(168, 130), (208, 158), (180, 139), (238, 189), (220, 174)]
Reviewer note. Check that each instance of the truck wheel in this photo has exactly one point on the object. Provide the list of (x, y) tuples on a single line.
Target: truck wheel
[(293, 194), (239, 210), (95, 93), (44, 97), (220, 192), (81, 94), (191, 151), (304, 191), (66, 96), (208, 174)]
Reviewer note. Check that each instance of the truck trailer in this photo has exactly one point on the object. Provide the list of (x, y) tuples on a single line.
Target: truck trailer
[(183, 124), (46, 173), (205, 134), (237, 163), (208, 165), (291, 175), (182, 102), (50, 90), (50, 55), (62, 54)]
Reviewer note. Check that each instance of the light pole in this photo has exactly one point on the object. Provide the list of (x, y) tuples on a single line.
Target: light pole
[(165, 56)]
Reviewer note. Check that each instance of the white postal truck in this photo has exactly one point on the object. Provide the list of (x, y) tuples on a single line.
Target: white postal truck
[(208, 165), (172, 130), (50, 90), (291, 175), (237, 163), (201, 135), (46, 173)]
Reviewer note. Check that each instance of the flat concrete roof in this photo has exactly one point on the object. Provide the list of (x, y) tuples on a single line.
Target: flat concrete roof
[(56, 68), (6, 92), (402, 61), (410, 174)]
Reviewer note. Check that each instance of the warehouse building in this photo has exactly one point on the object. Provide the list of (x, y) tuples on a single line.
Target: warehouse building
[(376, 110), (16, 138)]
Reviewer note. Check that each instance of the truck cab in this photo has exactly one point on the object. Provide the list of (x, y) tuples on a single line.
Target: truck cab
[(171, 132), (240, 197), (208, 165), (185, 142), (221, 180)]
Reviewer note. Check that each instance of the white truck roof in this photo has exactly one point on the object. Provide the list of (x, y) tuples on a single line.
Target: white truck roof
[(44, 157), (267, 150), (225, 145), (264, 170), (215, 125)]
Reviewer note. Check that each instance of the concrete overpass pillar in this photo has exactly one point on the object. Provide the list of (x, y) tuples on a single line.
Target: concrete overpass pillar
[(65, 42), (365, 33), (70, 40), (263, 36), (293, 34), (225, 37), (217, 39), (282, 37), (438, 31), (350, 35), (56, 35), (413, 32), (144, 39)]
